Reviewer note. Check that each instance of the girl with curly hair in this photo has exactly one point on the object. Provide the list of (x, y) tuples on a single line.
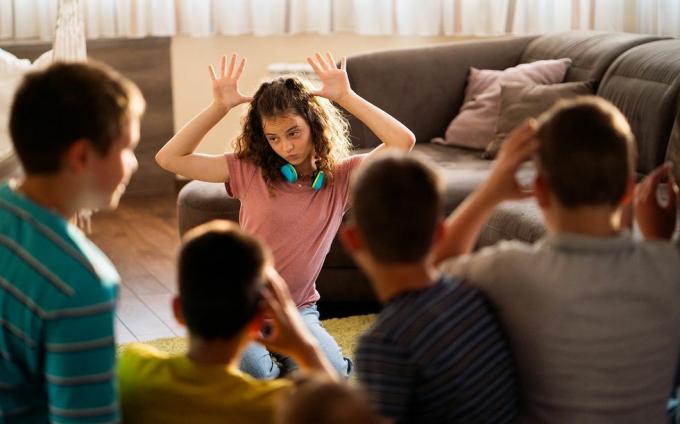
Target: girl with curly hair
[(290, 169)]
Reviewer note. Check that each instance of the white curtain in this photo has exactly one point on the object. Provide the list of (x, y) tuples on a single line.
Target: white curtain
[(34, 19)]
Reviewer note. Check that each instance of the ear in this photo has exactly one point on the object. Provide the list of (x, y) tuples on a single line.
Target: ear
[(351, 240), (177, 310), (542, 191), (77, 155), (438, 233), (630, 191)]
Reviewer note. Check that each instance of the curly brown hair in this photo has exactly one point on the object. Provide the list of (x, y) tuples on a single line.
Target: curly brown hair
[(286, 95)]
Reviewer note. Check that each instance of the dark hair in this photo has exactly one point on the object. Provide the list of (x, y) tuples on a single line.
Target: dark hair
[(221, 271), (283, 96), (320, 401), (397, 203), (54, 107), (587, 151)]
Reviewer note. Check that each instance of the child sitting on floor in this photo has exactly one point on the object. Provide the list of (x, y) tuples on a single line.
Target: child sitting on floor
[(224, 314)]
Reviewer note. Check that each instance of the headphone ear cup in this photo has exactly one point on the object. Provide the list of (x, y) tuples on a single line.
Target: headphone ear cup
[(289, 173), (318, 181)]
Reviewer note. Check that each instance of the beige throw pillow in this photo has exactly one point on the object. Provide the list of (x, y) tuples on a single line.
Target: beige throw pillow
[(520, 102)]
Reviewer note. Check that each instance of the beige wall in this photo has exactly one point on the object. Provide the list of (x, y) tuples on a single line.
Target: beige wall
[(191, 56)]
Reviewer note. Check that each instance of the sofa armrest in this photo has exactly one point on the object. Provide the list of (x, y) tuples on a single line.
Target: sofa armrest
[(424, 87)]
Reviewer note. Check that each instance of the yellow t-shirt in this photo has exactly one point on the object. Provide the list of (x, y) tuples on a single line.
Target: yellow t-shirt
[(156, 387)]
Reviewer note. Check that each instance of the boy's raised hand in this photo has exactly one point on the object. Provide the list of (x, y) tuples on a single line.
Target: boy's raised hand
[(656, 221), (288, 334), (519, 146), (225, 85), (335, 81)]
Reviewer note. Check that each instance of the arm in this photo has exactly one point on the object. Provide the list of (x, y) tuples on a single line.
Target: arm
[(336, 88), (463, 226), (178, 155), (654, 220), (289, 334)]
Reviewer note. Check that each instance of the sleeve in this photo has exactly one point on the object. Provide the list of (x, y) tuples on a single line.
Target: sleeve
[(80, 365), (241, 173), (386, 373), (347, 170)]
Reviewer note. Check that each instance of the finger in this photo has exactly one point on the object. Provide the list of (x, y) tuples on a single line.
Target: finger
[(276, 284), (232, 63), (272, 302), (520, 135), (211, 71), (643, 189), (246, 99), (241, 67), (343, 63), (331, 61), (322, 62), (526, 150), (315, 66), (649, 185), (223, 65), (524, 133)]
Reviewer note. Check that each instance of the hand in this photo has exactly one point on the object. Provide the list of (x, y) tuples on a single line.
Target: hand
[(519, 146), (225, 87), (335, 81), (289, 334), (654, 220)]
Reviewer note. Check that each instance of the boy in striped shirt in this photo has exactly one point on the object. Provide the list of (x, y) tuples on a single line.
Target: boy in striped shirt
[(74, 128), (436, 353)]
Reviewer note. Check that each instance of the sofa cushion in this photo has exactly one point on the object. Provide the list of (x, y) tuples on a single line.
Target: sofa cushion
[(591, 52), (199, 202), (644, 83), (474, 126), (516, 220), (520, 102)]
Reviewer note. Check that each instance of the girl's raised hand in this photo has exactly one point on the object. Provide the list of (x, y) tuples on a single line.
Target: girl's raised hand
[(335, 81), (225, 86)]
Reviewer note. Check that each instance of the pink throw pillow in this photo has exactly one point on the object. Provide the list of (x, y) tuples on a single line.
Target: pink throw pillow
[(475, 125)]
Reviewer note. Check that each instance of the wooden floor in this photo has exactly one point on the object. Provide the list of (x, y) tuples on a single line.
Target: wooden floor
[(141, 239)]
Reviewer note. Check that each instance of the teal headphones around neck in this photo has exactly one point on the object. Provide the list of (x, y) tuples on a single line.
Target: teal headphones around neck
[(290, 174)]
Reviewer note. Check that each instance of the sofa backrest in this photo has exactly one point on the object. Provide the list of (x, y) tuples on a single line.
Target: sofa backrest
[(591, 52), (424, 87), (644, 83)]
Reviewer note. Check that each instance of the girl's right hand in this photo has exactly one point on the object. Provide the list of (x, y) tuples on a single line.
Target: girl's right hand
[(225, 87)]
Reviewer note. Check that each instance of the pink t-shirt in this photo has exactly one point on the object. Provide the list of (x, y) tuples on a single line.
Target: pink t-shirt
[(297, 223)]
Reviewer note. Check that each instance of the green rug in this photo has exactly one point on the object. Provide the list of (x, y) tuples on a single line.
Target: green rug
[(346, 332)]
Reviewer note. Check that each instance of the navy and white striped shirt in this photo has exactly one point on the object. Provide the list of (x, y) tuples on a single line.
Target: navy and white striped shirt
[(439, 355)]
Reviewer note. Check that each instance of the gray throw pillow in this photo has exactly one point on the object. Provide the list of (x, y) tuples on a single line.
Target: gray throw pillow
[(520, 102)]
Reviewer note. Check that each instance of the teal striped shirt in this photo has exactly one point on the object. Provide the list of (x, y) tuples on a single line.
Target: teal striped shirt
[(57, 304)]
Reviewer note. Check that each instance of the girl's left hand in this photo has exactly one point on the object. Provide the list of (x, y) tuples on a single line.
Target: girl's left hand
[(335, 81)]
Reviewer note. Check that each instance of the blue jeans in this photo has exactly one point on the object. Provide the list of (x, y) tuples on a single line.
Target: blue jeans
[(259, 362)]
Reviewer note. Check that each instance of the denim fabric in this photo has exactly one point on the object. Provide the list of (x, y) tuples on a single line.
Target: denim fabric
[(260, 363)]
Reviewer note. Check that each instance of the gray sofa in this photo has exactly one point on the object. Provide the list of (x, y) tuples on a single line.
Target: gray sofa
[(424, 89)]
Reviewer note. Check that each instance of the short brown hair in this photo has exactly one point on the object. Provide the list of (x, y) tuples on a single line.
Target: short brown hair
[(397, 204), (54, 107), (221, 272), (586, 151)]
